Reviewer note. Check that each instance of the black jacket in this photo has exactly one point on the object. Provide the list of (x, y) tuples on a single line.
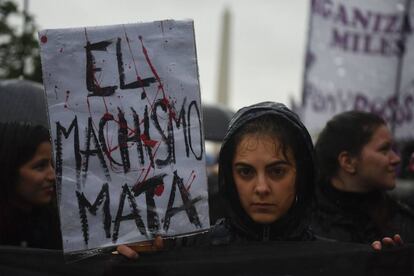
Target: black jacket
[(362, 218), (37, 228), (237, 226)]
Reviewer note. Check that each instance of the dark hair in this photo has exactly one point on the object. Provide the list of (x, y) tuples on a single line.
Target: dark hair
[(18, 144), (349, 131), (272, 126)]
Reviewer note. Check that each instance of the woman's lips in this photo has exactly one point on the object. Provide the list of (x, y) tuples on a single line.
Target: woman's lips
[(47, 189), (262, 206)]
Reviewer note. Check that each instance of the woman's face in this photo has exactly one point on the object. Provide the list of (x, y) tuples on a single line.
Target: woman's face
[(37, 176), (377, 162), (264, 177)]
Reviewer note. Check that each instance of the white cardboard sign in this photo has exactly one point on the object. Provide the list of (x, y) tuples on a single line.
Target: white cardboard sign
[(124, 107), (356, 60)]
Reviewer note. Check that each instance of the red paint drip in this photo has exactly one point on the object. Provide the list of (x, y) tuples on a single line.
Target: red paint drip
[(123, 125), (67, 98), (191, 183), (108, 116), (106, 107), (113, 149), (137, 184), (144, 50), (159, 190), (43, 39), (165, 101), (148, 142), (89, 106), (192, 180), (135, 67), (171, 112), (141, 174)]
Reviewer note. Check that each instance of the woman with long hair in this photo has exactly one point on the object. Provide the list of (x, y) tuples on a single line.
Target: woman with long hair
[(28, 212), (357, 164)]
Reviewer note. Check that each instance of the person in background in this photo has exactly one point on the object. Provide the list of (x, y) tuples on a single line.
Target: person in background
[(357, 165), (266, 180), (28, 211)]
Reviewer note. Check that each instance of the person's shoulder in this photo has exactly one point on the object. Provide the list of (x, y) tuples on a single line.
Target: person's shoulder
[(404, 209), (323, 239), (221, 233), (218, 234)]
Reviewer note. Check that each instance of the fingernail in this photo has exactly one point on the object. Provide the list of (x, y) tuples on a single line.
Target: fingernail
[(376, 245)]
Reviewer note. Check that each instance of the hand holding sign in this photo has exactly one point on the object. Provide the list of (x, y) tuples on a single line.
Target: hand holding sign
[(132, 251)]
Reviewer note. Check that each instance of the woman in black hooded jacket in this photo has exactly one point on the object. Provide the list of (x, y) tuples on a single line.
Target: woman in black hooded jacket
[(260, 204)]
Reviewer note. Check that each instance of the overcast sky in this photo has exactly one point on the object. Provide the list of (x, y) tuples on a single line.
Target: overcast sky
[(268, 38)]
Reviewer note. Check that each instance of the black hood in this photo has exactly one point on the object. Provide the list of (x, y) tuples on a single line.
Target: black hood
[(294, 224)]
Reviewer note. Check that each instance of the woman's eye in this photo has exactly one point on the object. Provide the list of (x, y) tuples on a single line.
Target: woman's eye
[(245, 172), (277, 171), (385, 149), (41, 165)]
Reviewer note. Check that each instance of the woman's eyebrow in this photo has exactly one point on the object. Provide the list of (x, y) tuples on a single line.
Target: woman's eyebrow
[(40, 161), (241, 163), (274, 163), (385, 145), (279, 162)]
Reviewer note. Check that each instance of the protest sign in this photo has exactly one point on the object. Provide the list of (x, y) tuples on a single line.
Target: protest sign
[(124, 107), (358, 58)]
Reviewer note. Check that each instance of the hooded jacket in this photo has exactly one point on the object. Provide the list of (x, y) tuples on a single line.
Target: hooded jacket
[(237, 225)]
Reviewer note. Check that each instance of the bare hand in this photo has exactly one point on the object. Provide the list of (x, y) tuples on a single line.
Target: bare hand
[(387, 242), (131, 251)]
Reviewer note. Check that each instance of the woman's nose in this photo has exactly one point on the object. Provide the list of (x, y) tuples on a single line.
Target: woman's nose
[(395, 158), (262, 185), (51, 175)]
